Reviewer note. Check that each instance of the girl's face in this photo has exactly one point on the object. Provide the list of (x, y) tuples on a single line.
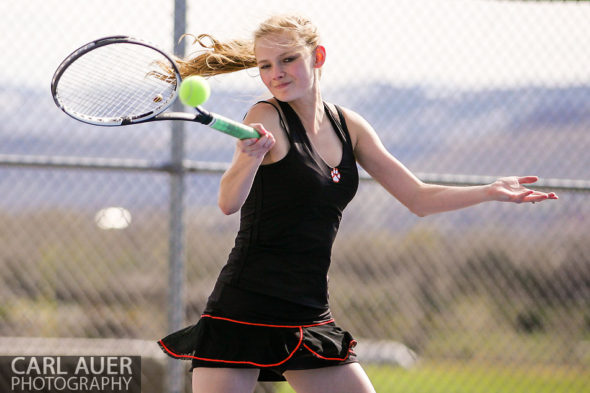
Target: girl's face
[(286, 70)]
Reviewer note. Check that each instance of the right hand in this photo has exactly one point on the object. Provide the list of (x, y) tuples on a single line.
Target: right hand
[(257, 147)]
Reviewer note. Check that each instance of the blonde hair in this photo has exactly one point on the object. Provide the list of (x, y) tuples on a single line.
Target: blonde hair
[(218, 57)]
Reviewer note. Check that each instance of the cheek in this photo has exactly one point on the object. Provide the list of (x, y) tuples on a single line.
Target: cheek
[(305, 77), (265, 78)]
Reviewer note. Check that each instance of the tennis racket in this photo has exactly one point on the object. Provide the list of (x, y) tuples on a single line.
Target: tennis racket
[(120, 80)]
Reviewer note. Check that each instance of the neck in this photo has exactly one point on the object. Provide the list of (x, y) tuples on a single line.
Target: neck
[(310, 110)]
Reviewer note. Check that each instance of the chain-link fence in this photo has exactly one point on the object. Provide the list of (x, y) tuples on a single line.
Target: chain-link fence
[(488, 299)]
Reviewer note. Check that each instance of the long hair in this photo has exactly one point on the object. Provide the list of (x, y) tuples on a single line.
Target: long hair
[(215, 57)]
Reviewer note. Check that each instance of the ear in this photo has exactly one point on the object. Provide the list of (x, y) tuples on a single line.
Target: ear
[(320, 56)]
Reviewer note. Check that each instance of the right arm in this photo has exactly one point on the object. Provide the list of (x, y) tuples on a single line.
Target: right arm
[(249, 155)]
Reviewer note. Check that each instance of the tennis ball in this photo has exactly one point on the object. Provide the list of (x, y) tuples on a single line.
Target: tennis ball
[(194, 91)]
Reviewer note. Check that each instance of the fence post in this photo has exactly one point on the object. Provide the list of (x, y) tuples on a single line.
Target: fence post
[(176, 241)]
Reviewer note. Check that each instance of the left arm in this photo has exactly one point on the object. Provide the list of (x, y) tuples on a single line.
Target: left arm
[(422, 198), (434, 198)]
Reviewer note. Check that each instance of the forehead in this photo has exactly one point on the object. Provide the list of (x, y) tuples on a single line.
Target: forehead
[(273, 43)]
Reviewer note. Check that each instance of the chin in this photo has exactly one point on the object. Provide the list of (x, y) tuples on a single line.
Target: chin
[(285, 96)]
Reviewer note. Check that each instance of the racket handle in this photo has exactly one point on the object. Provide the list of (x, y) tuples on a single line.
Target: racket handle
[(233, 128)]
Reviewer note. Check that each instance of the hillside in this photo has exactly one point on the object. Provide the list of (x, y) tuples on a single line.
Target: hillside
[(533, 130)]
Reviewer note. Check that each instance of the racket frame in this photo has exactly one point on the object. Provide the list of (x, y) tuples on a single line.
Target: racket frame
[(202, 116), (101, 42)]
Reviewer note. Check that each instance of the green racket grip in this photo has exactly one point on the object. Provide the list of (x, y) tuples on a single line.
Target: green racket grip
[(233, 128)]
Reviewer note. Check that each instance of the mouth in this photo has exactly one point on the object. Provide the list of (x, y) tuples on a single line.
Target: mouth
[(282, 85)]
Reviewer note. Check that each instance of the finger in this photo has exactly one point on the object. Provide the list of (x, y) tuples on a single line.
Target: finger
[(265, 140), (542, 197), (247, 145), (269, 144), (258, 146), (527, 179), (536, 197), (260, 128), (260, 142), (248, 142), (522, 196)]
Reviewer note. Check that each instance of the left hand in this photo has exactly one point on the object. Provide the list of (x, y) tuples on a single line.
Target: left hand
[(511, 189)]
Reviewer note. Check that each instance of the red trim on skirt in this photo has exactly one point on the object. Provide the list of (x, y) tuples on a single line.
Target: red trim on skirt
[(299, 327)]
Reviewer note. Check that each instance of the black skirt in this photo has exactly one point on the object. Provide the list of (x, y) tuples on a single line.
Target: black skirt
[(217, 341)]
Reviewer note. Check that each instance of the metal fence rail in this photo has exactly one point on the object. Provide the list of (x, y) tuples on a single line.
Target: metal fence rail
[(208, 167)]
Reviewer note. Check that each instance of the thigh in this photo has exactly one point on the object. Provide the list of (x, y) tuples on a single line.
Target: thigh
[(348, 378), (223, 380)]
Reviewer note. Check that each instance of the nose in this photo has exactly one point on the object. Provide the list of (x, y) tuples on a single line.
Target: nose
[(278, 73)]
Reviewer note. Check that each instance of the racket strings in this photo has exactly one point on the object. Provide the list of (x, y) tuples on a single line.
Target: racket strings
[(114, 82)]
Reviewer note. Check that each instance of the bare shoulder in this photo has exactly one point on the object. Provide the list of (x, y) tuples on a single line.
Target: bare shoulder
[(263, 112), (267, 114)]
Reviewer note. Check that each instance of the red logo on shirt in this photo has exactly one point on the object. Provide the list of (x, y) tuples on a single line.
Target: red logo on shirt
[(335, 174)]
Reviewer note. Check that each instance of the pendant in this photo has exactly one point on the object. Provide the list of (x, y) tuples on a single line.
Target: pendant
[(335, 174)]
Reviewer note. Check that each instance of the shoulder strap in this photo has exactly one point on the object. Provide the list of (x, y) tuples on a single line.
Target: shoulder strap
[(340, 124), (297, 131), (281, 121)]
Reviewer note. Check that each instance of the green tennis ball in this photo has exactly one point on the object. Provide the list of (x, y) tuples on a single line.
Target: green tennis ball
[(194, 91)]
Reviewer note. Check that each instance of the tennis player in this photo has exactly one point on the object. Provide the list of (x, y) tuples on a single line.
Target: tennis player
[(268, 317)]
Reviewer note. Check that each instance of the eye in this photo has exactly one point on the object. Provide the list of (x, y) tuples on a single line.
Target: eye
[(290, 59), (264, 66)]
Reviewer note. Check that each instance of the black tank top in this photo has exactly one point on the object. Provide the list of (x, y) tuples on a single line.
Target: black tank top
[(289, 222)]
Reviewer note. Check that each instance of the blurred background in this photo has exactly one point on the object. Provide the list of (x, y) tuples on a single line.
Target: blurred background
[(105, 246)]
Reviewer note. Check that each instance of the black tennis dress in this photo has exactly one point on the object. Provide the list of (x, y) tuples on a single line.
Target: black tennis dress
[(269, 308)]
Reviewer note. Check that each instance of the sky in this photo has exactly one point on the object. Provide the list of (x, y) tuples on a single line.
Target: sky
[(467, 44)]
